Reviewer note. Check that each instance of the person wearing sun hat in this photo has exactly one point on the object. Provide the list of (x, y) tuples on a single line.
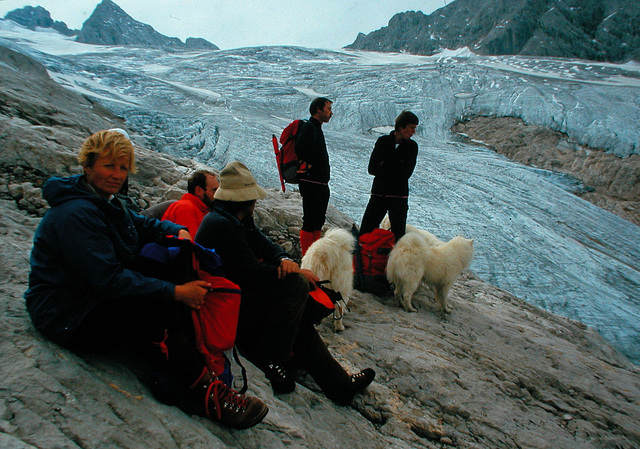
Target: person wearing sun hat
[(273, 324), (237, 184)]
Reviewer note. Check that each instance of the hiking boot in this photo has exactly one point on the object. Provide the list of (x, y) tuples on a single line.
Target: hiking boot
[(231, 408), (361, 380), (280, 376), (357, 382)]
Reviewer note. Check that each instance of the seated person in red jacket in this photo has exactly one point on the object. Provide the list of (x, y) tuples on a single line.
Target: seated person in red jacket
[(195, 204)]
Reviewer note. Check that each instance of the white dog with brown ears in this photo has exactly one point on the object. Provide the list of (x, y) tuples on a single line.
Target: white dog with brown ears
[(420, 257), (331, 258)]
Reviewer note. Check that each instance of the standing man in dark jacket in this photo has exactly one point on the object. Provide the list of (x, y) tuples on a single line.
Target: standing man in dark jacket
[(311, 148), (392, 162)]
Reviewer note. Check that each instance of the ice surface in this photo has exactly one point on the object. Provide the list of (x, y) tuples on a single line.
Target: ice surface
[(533, 237)]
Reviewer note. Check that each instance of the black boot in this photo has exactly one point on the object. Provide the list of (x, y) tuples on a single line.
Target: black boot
[(280, 376), (330, 376), (357, 382)]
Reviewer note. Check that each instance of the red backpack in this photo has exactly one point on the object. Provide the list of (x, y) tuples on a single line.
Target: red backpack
[(289, 167), (375, 247), (370, 260), (323, 302), (215, 323)]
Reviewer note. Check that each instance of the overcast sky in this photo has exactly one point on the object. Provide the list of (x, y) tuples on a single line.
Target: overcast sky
[(241, 23)]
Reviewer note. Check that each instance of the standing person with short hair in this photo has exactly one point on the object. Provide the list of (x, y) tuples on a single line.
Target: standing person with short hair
[(195, 204), (392, 163), (311, 148)]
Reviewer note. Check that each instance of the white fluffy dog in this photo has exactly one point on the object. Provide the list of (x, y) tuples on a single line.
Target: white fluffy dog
[(431, 239), (331, 258), (420, 257)]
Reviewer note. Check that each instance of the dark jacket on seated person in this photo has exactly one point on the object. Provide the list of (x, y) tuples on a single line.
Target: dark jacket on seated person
[(249, 257), (276, 325), (81, 254)]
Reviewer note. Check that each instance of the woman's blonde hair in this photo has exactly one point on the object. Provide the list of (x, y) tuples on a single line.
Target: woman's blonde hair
[(110, 143)]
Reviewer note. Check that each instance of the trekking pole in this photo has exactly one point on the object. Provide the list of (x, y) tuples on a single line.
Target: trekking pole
[(276, 150)]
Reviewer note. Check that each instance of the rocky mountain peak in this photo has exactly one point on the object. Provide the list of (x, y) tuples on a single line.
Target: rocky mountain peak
[(111, 25), (585, 29), (38, 17), (108, 25)]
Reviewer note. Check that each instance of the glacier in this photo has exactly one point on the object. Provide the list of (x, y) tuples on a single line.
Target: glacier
[(533, 236)]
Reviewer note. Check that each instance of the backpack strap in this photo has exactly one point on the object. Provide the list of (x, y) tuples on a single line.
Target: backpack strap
[(243, 370)]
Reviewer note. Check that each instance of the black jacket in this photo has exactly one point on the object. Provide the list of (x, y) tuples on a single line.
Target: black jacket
[(249, 258), (312, 149), (391, 166)]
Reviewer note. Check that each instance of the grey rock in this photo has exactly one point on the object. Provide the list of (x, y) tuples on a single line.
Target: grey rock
[(198, 43), (585, 29), (44, 115)]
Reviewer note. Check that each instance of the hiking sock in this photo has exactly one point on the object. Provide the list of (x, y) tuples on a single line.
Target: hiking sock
[(306, 239)]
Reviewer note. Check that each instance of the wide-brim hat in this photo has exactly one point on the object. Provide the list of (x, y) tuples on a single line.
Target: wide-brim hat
[(237, 184)]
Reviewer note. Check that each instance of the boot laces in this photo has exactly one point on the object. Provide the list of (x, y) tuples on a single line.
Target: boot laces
[(279, 369), (225, 397)]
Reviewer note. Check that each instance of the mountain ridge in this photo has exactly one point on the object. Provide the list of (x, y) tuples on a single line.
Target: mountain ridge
[(38, 17), (108, 25), (583, 29)]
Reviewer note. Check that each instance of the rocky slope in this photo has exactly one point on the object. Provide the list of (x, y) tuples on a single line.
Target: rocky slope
[(495, 373), (584, 29), (610, 182)]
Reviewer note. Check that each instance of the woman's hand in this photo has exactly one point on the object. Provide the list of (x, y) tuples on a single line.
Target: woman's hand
[(192, 293)]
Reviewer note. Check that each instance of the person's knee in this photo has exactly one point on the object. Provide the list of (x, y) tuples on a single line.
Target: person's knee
[(297, 285)]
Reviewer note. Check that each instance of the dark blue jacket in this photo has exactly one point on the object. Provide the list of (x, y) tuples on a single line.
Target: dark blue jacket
[(81, 255)]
